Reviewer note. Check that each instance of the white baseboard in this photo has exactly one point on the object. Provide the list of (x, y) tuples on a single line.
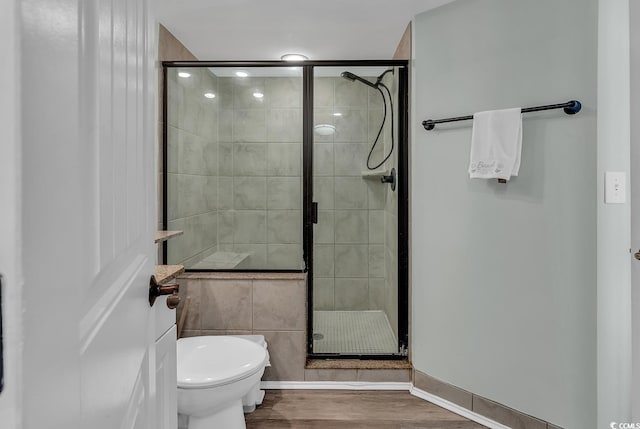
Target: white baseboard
[(457, 409), (334, 385)]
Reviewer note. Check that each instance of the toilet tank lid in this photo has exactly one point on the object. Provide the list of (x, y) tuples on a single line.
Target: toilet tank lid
[(214, 360)]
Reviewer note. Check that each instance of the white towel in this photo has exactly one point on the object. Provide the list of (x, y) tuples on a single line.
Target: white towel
[(496, 144)]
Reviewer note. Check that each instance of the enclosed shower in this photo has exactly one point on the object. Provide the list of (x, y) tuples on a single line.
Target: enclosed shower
[(275, 166)]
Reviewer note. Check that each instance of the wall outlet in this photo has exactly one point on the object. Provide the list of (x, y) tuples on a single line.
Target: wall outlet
[(615, 187)]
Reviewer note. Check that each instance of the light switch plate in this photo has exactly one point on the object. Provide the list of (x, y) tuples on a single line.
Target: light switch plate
[(615, 187)]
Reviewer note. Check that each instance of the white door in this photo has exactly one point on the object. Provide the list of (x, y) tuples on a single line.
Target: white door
[(89, 215), (10, 216)]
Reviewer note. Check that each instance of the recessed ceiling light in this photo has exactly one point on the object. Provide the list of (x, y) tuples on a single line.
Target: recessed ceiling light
[(258, 94), (242, 74), (294, 57), (337, 114), (209, 95), (184, 74)]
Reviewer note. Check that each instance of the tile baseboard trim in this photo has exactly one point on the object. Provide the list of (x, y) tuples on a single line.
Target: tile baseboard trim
[(336, 385), (457, 409)]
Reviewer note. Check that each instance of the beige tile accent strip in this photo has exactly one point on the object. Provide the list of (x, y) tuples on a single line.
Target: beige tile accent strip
[(444, 390), (479, 405), (505, 415)]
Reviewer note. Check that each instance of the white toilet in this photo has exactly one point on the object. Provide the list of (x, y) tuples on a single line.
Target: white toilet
[(214, 373)]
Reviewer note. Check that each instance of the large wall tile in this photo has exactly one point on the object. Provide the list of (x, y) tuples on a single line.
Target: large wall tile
[(375, 194), (323, 92), (351, 226), (284, 257), (351, 94), (250, 159), (279, 305), (323, 192), (351, 126), (249, 193), (191, 289), (243, 90), (283, 92), (376, 260), (284, 193), (249, 126), (250, 226), (352, 260), (284, 125), (376, 227), (284, 159), (323, 231), (323, 260), (350, 193), (226, 226), (225, 193), (350, 159), (352, 294), (225, 159), (323, 159), (287, 351), (226, 304), (284, 226), (323, 293)]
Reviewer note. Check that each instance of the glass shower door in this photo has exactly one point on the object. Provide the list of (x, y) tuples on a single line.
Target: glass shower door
[(355, 281)]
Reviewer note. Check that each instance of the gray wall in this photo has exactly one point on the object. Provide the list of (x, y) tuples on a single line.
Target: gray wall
[(503, 276), (614, 283)]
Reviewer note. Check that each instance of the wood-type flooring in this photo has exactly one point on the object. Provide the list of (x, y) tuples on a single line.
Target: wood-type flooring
[(340, 409)]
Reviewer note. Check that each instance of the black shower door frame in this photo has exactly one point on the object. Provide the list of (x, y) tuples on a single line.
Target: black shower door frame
[(309, 209)]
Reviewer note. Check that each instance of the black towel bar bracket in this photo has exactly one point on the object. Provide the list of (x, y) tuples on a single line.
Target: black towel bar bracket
[(570, 108)]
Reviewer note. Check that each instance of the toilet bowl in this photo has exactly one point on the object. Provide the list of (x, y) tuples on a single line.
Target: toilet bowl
[(214, 373)]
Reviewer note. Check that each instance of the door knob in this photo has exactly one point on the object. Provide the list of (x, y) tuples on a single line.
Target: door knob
[(156, 290), (637, 255)]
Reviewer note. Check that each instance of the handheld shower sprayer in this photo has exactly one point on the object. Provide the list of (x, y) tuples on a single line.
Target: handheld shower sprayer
[(377, 85)]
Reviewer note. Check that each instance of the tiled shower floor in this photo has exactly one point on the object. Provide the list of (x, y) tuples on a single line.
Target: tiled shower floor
[(353, 332)]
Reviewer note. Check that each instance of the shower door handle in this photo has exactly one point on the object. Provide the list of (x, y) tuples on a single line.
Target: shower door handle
[(314, 212)]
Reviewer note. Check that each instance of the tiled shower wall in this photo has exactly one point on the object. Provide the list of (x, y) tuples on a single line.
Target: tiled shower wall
[(235, 164), (192, 164), (350, 239), (260, 183)]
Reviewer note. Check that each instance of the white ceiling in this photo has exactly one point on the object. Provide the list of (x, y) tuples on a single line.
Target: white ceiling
[(267, 29)]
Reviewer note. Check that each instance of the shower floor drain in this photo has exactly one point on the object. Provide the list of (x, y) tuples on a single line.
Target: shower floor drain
[(318, 337)]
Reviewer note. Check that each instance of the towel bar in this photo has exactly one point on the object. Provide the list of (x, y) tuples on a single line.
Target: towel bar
[(570, 108)]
